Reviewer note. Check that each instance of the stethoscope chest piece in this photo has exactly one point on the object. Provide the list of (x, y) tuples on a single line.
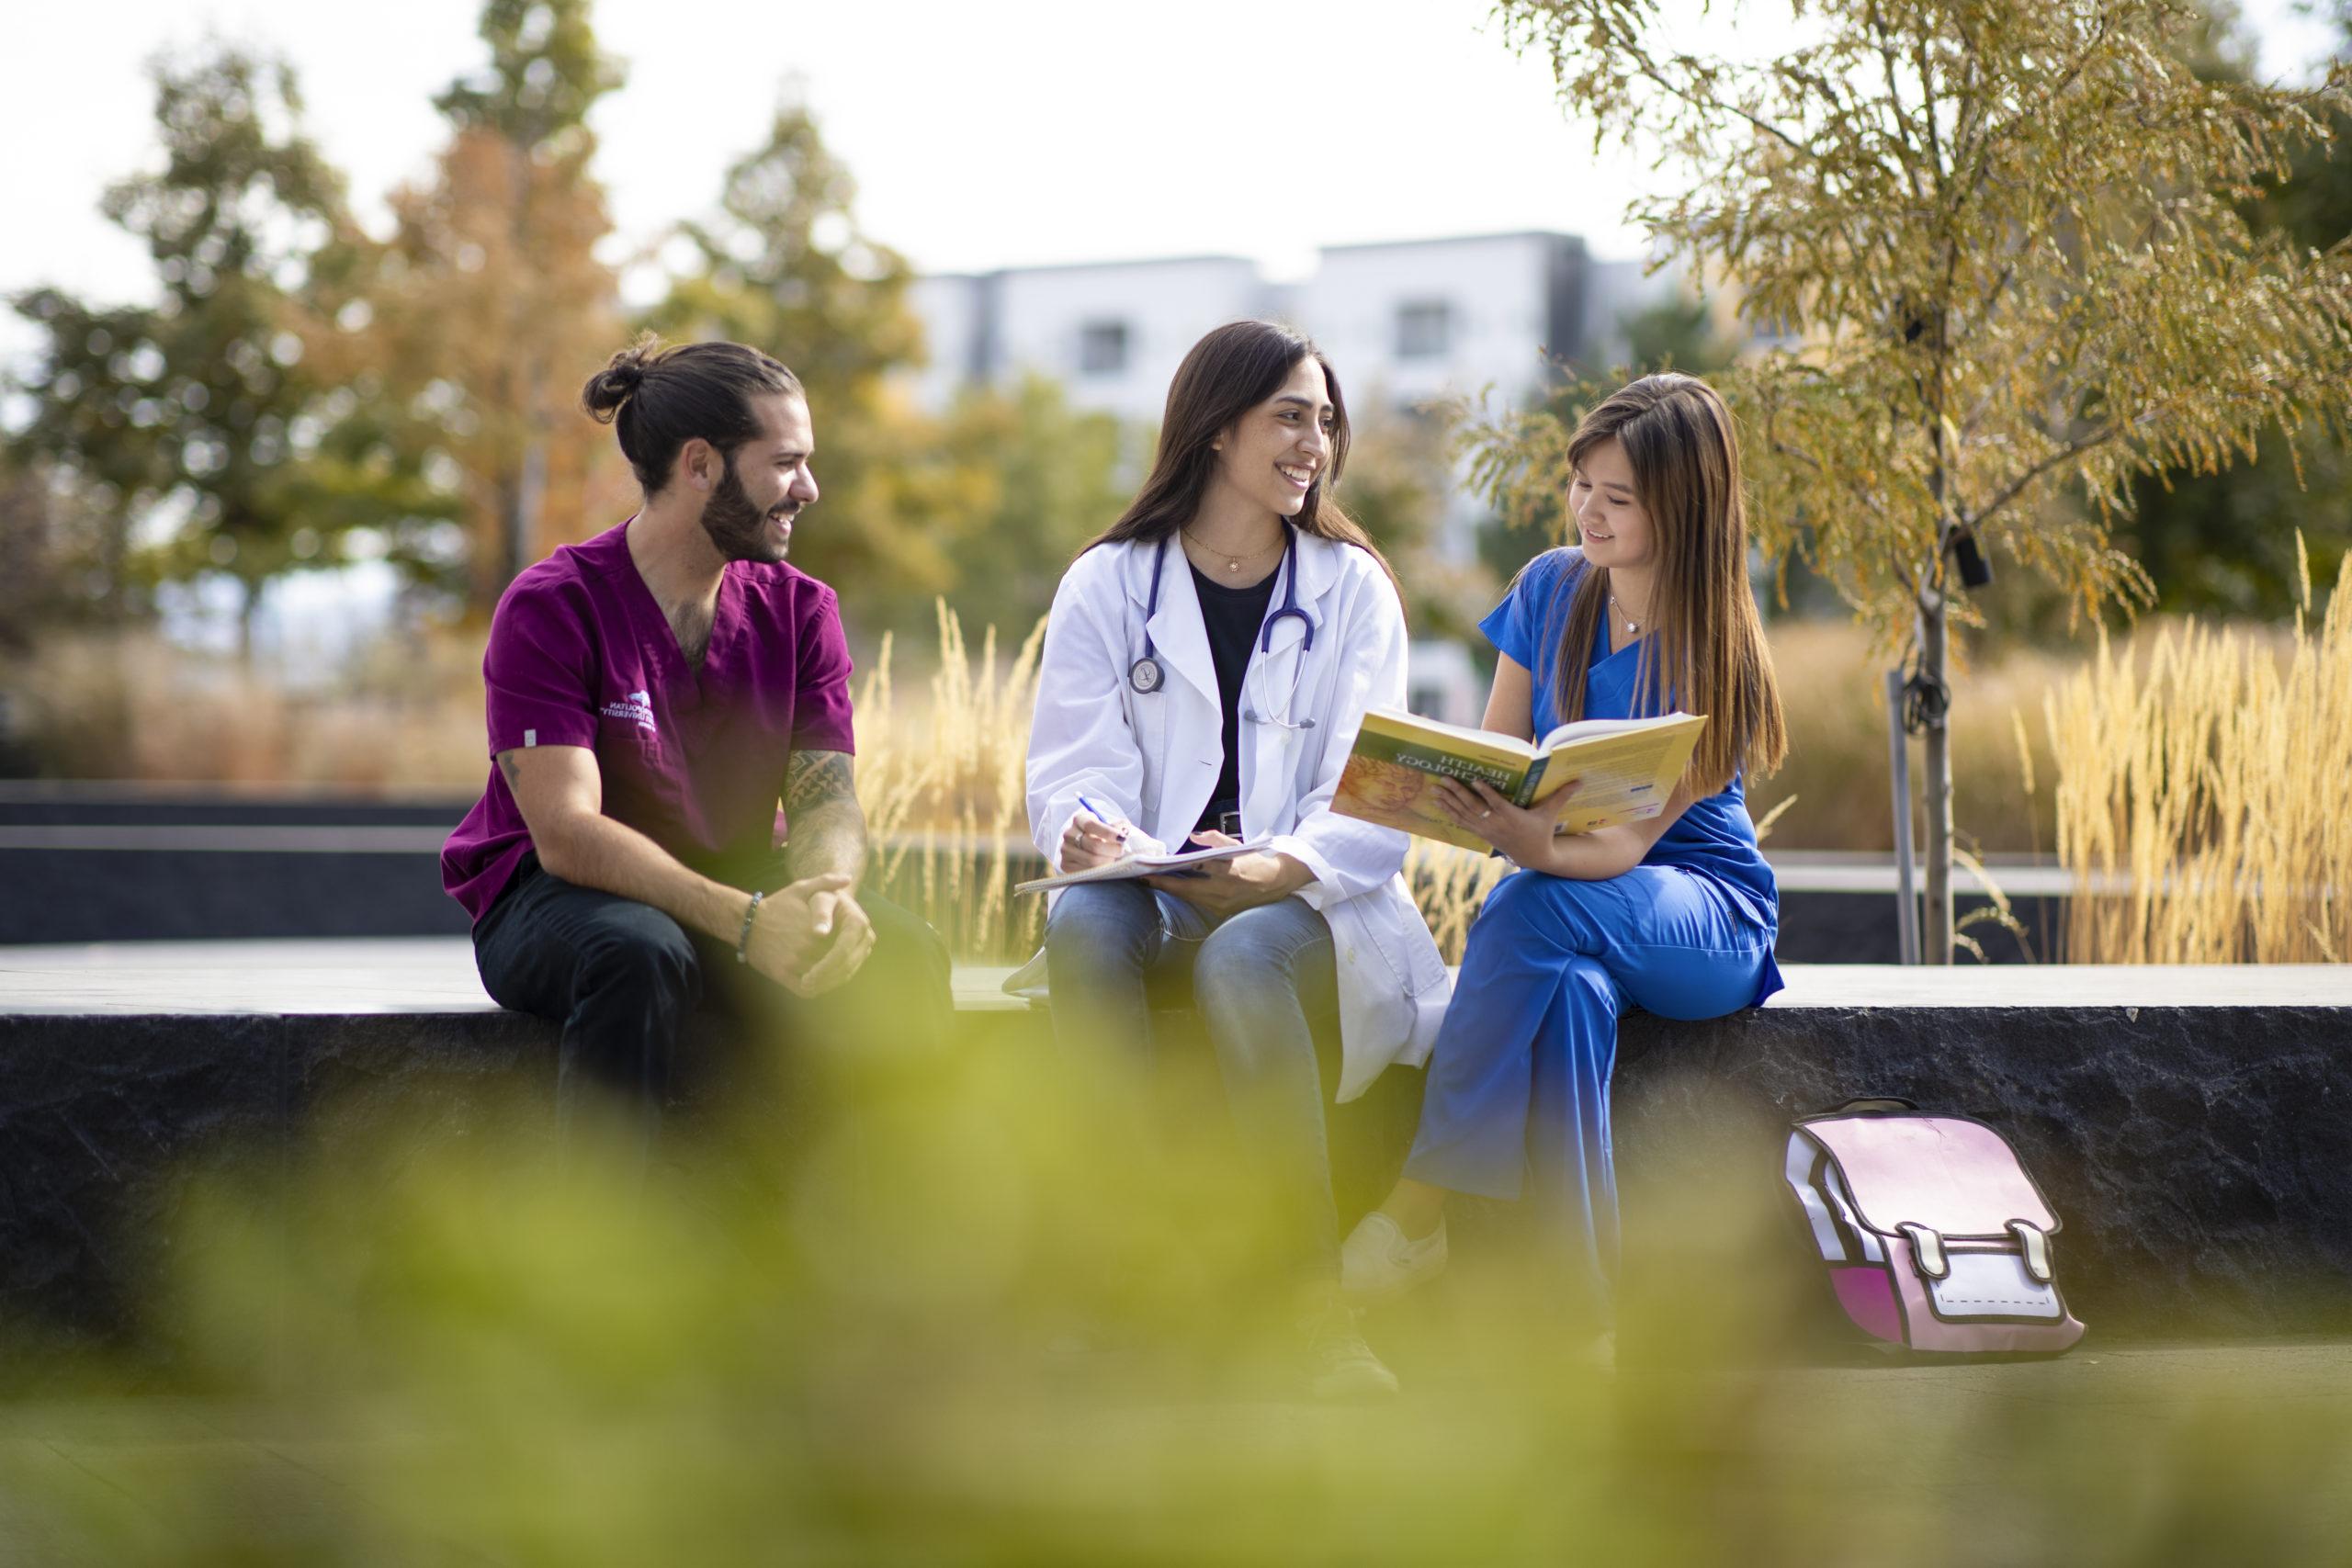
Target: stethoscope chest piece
[(1147, 674)]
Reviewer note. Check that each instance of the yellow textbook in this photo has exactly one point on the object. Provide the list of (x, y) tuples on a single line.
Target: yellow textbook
[(1626, 769)]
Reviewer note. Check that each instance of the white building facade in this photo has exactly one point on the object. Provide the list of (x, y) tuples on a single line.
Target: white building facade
[(1112, 333), (1415, 322), (1406, 322)]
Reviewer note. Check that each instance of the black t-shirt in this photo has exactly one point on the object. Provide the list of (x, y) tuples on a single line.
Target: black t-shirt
[(1234, 618)]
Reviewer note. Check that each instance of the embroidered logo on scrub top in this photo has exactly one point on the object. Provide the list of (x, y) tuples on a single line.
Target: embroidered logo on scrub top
[(638, 707)]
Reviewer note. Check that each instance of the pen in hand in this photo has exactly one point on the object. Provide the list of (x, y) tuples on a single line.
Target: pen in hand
[(1110, 819), (1097, 838)]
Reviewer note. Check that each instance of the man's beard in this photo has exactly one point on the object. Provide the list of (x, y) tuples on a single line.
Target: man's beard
[(739, 529)]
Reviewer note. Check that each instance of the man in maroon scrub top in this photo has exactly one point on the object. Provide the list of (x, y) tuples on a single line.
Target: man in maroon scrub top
[(652, 695)]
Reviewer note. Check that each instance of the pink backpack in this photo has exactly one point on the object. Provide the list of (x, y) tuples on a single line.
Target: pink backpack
[(1935, 1236)]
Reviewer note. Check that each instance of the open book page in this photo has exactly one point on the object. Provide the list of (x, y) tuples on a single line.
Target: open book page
[(1627, 768), (1585, 728), (1127, 867), (1464, 739)]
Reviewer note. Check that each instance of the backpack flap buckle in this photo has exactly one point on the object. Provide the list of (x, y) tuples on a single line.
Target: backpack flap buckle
[(2035, 1241), (1926, 1251)]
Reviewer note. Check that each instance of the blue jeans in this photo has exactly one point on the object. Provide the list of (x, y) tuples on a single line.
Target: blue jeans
[(1261, 980)]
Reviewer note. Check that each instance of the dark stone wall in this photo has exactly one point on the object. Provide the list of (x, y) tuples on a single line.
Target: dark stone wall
[(72, 895), (105, 1119), (193, 896), (54, 888), (2199, 1159)]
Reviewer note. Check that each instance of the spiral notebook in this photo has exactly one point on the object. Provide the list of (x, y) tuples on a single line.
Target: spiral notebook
[(1132, 867)]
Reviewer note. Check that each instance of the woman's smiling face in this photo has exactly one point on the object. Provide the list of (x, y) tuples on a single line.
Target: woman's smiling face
[(1276, 452), (1610, 523)]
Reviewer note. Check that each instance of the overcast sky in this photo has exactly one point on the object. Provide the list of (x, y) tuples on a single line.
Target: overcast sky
[(982, 134)]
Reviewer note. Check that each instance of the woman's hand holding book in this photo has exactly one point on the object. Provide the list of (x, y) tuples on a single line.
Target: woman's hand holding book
[(1226, 887), (1527, 836)]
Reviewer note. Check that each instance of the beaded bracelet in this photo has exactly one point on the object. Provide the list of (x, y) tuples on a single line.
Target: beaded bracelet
[(743, 942)]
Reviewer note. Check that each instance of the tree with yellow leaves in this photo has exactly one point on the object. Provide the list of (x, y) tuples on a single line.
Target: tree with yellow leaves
[(488, 306), (1999, 244)]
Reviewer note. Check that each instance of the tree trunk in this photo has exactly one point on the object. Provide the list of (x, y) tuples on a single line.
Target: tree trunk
[(247, 608), (523, 518), (1936, 925)]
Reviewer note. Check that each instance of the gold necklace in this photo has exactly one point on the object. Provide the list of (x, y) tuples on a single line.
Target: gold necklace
[(1234, 563)]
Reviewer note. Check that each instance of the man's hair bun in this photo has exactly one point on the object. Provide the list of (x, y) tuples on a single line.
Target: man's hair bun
[(608, 389)]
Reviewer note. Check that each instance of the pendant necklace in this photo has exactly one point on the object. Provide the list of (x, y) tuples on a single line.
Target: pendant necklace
[(1234, 563), (1632, 627)]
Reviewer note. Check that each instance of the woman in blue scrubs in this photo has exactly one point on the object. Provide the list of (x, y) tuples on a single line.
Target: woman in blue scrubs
[(1675, 915)]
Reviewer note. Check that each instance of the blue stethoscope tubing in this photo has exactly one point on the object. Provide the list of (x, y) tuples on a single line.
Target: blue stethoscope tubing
[(1147, 674)]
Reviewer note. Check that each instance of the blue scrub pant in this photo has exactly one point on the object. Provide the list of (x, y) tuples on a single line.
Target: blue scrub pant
[(1519, 1077)]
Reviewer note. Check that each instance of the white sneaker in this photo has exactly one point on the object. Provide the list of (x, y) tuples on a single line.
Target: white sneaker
[(1340, 1364), (1378, 1261)]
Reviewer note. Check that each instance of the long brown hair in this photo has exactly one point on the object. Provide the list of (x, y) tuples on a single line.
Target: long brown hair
[(1232, 370), (1707, 645)]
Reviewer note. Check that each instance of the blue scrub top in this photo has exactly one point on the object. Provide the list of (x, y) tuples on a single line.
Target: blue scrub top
[(1716, 839)]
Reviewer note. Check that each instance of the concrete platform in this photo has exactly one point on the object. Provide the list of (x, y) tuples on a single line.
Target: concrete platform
[(434, 975), (358, 978)]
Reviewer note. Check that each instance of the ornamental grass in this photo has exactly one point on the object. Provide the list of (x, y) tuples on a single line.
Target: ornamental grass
[(2201, 794)]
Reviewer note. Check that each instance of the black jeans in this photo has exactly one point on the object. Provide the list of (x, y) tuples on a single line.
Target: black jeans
[(622, 977)]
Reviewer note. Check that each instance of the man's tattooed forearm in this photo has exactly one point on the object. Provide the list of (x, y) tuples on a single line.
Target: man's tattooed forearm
[(812, 779), (820, 804)]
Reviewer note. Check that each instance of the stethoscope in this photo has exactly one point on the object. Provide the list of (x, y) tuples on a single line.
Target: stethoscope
[(1147, 674)]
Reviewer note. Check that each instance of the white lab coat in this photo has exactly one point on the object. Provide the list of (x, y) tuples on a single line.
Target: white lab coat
[(1155, 757)]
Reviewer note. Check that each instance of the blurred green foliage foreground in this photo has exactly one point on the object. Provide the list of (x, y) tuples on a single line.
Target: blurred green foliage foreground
[(990, 1316)]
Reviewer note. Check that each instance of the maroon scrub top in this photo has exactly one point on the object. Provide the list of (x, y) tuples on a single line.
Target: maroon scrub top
[(580, 655)]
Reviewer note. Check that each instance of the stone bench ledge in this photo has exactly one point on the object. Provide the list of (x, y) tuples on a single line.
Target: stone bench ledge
[(435, 975)]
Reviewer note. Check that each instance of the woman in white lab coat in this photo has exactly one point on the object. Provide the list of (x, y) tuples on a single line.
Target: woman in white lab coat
[(1206, 667)]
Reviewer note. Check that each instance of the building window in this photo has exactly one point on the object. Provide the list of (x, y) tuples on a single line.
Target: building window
[(1424, 329), (1101, 348)]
